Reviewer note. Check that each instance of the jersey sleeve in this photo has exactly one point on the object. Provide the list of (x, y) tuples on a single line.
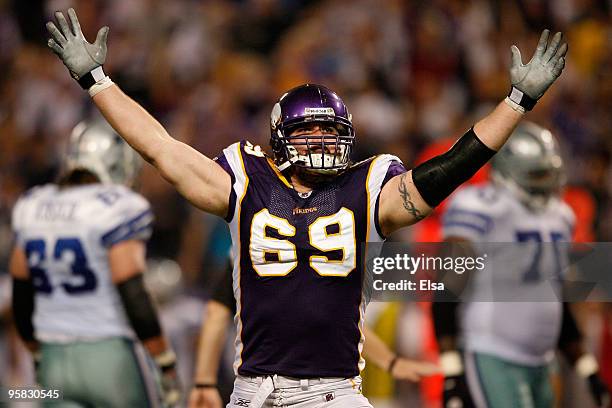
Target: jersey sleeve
[(382, 169), (129, 218), (469, 215), (231, 160), (222, 161)]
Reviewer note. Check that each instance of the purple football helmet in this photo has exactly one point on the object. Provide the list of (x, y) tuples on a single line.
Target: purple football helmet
[(327, 154)]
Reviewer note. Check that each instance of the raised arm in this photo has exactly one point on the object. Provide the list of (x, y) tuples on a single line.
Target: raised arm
[(198, 178), (409, 197)]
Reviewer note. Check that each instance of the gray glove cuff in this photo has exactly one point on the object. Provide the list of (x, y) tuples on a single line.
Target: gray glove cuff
[(522, 99), (89, 79)]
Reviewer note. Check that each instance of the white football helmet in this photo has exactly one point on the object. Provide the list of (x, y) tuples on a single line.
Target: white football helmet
[(530, 165), (95, 146)]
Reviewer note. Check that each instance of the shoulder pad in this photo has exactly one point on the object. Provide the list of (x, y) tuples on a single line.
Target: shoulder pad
[(472, 211), (362, 162), (484, 198), (129, 216), (29, 196), (252, 150)]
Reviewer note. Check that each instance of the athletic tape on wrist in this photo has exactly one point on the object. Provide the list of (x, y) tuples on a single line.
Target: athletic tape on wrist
[(451, 364), (100, 86), (586, 365), (515, 106)]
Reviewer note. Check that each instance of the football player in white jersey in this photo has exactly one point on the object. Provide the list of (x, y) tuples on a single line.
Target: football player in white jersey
[(297, 217), (508, 345), (78, 296)]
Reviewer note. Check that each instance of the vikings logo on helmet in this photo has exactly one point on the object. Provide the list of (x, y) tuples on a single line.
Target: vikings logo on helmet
[(307, 104)]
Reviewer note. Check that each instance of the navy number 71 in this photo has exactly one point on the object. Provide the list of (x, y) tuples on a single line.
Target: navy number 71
[(533, 273)]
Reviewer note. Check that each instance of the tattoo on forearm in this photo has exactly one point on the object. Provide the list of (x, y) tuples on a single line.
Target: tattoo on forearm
[(407, 200)]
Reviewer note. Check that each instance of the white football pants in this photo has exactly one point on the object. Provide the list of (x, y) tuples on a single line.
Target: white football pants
[(278, 391)]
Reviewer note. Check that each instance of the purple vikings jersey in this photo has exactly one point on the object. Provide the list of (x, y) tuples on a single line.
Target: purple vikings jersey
[(297, 264)]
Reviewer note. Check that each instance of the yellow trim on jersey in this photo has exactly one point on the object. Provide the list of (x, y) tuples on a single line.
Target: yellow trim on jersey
[(364, 260), (367, 186), (238, 303), (278, 173)]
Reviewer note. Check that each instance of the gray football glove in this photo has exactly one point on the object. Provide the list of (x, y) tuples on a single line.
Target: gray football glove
[(534, 78), (79, 56)]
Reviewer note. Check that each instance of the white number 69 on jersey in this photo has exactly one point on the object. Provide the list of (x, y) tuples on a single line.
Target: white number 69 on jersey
[(319, 237)]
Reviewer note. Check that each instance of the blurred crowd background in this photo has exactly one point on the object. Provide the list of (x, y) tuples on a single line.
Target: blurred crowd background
[(413, 74)]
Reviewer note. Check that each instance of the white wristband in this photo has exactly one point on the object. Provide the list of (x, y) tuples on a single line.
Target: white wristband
[(451, 363), (99, 86), (515, 106), (586, 365)]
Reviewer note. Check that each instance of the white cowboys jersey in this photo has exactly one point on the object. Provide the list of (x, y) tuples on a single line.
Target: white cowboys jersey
[(524, 332), (66, 234)]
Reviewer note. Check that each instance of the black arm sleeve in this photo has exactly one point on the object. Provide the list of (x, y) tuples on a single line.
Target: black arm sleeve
[(23, 308), (223, 292), (438, 177), (139, 308)]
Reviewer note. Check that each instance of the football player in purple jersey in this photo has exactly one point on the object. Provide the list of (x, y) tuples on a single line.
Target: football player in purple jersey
[(217, 316), (297, 217)]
